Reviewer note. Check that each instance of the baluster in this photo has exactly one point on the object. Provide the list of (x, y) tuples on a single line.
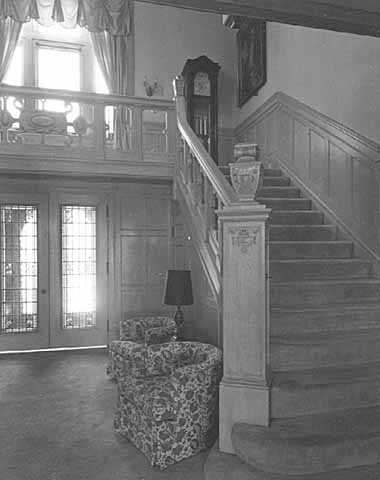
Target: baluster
[(191, 168), (192, 176), (6, 121), (137, 129), (216, 207), (99, 129), (208, 208), (186, 163), (180, 155), (202, 188)]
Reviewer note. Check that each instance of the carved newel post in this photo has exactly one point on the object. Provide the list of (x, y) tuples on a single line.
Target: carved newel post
[(244, 390)]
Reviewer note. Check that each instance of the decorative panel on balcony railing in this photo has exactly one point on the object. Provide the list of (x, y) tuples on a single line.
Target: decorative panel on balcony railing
[(29, 121), (81, 127)]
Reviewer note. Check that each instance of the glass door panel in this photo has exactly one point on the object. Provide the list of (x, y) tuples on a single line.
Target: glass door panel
[(78, 266), (19, 268), (23, 318)]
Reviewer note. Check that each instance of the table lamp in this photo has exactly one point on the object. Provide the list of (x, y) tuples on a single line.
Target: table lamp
[(178, 292)]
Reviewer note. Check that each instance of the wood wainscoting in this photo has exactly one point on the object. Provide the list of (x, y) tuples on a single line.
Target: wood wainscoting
[(336, 166)]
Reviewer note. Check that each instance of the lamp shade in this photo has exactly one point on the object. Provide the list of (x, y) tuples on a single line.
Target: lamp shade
[(178, 289)]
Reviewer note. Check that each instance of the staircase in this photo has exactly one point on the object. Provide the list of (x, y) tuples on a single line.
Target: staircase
[(325, 355)]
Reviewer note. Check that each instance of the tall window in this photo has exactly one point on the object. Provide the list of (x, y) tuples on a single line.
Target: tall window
[(59, 67), (59, 56)]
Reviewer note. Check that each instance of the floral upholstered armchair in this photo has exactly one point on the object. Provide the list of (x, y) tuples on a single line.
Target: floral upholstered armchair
[(168, 405), (136, 333)]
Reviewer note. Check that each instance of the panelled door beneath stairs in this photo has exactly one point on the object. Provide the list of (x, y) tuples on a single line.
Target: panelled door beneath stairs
[(53, 271)]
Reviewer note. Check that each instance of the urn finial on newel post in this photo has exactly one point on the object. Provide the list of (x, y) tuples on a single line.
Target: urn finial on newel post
[(246, 172)]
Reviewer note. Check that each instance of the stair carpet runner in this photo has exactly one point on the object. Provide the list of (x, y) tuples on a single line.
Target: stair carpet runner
[(325, 354)]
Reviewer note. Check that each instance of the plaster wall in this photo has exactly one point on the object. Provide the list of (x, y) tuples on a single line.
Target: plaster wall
[(165, 37), (335, 73)]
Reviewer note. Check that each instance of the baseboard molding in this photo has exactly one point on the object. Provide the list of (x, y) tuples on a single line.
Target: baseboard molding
[(57, 349)]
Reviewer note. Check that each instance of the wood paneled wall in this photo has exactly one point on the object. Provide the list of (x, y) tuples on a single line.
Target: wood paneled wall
[(333, 164), (144, 248), (202, 321)]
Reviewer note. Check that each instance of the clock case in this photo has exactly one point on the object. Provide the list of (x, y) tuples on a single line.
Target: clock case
[(204, 105)]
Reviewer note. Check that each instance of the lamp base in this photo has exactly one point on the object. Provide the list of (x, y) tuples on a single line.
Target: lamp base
[(179, 321)]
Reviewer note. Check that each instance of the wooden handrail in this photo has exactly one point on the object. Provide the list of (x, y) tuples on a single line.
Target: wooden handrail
[(218, 181), (84, 97)]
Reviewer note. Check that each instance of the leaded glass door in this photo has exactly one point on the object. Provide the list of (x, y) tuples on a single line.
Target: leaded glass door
[(79, 247), (24, 273)]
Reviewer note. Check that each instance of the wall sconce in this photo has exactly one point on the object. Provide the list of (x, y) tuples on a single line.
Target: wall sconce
[(152, 88)]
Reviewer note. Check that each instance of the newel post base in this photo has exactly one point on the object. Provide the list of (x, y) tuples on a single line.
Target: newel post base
[(245, 387)]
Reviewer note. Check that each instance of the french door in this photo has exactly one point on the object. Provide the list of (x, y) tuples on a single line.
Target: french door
[(53, 271)]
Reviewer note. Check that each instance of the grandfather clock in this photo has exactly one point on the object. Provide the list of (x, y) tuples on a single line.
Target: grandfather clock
[(201, 94)]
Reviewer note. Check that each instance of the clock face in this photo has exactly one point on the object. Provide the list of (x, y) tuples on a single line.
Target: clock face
[(202, 84)]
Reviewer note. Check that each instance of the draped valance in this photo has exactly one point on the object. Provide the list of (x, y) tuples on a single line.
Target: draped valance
[(112, 16)]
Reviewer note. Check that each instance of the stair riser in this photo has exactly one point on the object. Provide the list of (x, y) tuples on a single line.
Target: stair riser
[(287, 357), (276, 181), (309, 250), (286, 203), (326, 398), (296, 218), (309, 271), (295, 234), (322, 294), (286, 323), (279, 192), (272, 172)]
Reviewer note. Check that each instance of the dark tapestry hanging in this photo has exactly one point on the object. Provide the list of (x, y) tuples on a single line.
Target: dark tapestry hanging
[(252, 74)]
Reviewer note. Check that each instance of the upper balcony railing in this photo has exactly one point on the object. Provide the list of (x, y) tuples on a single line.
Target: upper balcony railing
[(87, 127)]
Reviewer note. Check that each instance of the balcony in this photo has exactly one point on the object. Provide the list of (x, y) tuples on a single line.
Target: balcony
[(63, 132)]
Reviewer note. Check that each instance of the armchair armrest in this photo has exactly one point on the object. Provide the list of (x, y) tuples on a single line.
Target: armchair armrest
[(194, 375), (133, 358)]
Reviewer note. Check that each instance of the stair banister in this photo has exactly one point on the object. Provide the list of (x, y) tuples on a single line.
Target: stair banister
[(240, 246), (219, 183)]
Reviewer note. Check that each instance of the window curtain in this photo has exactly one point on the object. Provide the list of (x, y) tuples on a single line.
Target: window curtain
[(112, 16), (111, 51), (9, 34)]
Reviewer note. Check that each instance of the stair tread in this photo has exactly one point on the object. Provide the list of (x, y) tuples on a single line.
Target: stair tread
[(306, 378), (224, 466), (341, 242), (279, 199), (322, 337), (292, 447), (320, 260), (362, 421), (336, 307), (328, 281), (296, 212), (322, 225)]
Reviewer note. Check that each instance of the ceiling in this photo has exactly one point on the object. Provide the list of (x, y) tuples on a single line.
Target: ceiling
[(354, 16)]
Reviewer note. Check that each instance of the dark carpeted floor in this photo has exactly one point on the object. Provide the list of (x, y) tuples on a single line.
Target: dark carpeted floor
[(56, 414)]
